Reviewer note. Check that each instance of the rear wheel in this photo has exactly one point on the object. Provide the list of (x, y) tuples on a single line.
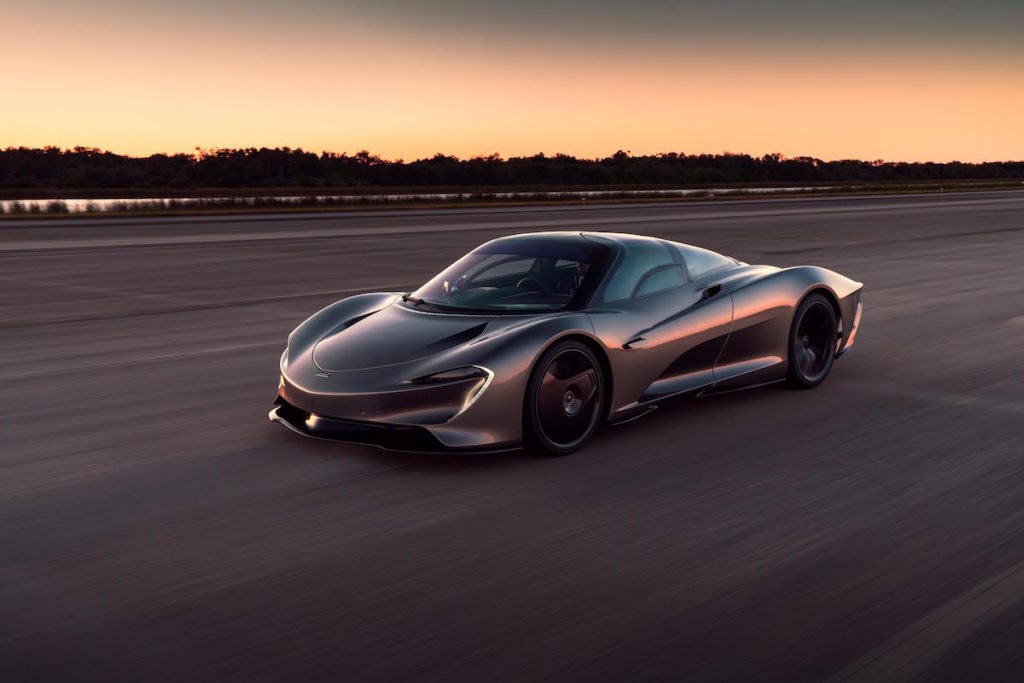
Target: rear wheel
[(563, 398), (812, 342)]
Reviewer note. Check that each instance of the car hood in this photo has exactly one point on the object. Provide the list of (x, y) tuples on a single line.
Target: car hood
[(393, 335)]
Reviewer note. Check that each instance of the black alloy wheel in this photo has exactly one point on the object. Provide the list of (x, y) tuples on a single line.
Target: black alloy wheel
[(564, 398), (812, 342)]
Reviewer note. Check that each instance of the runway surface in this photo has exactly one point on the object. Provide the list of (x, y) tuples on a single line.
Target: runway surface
[(155, 526)]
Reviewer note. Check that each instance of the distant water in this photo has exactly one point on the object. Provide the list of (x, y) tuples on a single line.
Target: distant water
[(79, 205)]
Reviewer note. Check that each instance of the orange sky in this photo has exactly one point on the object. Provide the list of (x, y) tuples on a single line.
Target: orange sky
[(138, 84)]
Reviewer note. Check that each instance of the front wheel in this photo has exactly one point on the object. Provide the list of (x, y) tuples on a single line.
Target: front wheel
[(812, 342), (563, 398)]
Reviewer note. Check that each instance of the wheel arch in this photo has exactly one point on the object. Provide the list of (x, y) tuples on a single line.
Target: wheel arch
[(829, 295), (602, 358), (833, 301)]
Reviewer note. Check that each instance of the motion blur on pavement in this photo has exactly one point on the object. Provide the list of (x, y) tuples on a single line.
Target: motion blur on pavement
[(155, 526)]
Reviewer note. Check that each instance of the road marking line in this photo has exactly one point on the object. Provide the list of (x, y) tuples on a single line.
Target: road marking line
[(585, 223)]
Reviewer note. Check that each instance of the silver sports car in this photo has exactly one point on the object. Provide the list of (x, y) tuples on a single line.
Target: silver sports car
[(539, 338)]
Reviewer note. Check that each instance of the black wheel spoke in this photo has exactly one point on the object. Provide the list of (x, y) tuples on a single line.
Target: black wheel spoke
[(585, 385), (807, 359), (568, 397)]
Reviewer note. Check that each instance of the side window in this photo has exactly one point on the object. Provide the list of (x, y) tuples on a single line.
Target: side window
[(701, 261), (639, 259), (659, 279)]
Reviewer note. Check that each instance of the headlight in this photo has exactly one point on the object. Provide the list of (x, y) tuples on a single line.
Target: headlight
[(454, 375), (483, 378)]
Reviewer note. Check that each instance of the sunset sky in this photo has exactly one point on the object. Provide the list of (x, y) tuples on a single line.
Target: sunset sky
[(910, 80)]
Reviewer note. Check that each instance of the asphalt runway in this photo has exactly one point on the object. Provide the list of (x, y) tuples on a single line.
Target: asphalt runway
[(155, 526)]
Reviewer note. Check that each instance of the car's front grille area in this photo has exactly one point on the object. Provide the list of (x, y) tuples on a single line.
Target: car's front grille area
[(394, 437), (415, 405)]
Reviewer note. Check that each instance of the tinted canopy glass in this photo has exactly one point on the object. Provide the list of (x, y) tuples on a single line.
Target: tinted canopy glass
[(639, 262), (699, 261), (515, 275)]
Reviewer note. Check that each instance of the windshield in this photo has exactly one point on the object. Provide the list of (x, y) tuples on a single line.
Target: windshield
[(512, 276)]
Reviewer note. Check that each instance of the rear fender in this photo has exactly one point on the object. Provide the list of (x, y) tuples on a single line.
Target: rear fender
[(757, 349)]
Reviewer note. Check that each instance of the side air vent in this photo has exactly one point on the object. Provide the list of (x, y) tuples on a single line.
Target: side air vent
[(710, 292)]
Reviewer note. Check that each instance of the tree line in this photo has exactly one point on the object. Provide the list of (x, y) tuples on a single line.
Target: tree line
[(86, 168)]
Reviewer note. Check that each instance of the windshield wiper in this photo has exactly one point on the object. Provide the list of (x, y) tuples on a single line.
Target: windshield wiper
[(417, 301)]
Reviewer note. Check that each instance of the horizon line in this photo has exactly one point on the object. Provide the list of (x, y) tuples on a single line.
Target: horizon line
[(199, 152)]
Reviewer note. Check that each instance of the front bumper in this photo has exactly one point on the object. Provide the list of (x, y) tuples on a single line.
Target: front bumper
[(392, 437)]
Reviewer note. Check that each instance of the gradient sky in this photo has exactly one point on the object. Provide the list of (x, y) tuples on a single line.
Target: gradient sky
[(909, 80)]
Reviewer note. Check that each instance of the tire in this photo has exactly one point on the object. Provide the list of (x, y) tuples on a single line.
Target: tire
[(812, 342), (564, 399)]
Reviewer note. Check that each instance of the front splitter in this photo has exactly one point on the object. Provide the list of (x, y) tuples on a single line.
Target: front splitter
[(405, 438)]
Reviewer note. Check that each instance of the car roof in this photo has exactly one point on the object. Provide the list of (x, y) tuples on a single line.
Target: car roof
[(617, 240), (621, 238), (571, 237), (564, 237)]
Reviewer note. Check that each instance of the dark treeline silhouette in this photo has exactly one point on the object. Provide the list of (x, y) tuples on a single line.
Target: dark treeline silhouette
[(82, 168)]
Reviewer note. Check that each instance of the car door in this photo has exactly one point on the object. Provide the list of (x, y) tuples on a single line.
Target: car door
[(663, 337)]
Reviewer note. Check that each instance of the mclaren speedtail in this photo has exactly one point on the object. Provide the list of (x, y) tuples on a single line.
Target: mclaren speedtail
[(539, 338)]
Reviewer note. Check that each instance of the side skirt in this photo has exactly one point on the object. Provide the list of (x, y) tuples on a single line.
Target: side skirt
[(730, 383)]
